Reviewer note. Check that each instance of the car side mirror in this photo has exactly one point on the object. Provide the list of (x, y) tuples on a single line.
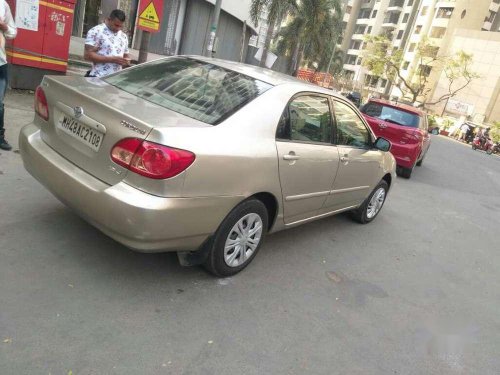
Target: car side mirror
[(382, 144)]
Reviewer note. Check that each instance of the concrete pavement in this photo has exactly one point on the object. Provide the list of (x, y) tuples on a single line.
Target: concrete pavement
[(415, 292)]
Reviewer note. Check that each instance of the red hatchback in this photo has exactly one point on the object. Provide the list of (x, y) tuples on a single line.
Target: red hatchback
[(405, 126)]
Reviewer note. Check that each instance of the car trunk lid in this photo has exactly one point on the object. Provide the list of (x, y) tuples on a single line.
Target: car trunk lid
[(87, 117)]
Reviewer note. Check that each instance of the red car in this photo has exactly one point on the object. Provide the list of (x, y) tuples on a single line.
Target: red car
[(405, 126)]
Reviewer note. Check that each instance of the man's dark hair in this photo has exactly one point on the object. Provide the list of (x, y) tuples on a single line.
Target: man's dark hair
[(117, 14)]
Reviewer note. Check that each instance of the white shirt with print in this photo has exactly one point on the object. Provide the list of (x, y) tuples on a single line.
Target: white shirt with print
[(6, 16), (108, 43)]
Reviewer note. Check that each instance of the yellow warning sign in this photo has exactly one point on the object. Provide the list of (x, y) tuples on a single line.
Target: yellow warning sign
[(149, 24), (150, 13)]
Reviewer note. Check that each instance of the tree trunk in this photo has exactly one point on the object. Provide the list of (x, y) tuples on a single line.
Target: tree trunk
[(299, 60), (269, 36), (295, 57)]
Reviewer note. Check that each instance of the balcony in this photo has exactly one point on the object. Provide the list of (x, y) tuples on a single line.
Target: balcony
[(346, 18), (494, 7), (446, 4), (362, 21), (358, 37), (396, 6), (391, 21), (354, 52), (440, 22)]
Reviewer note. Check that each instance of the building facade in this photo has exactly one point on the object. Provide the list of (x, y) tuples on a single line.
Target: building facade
[(185, 25), (392, 18)]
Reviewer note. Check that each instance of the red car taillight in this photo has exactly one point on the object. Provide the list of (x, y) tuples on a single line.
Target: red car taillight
[(151, 159), (41, 106)]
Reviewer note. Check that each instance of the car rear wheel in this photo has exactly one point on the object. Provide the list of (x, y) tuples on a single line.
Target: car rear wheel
[(372, 205), (404, 172), (420, 162), (238, 239)]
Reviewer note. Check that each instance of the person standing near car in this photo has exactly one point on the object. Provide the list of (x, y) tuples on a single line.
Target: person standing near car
[(106, 46), (8, 30), (463, 131)]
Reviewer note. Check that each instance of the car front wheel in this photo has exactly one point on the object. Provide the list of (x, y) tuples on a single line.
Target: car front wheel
[(238, 239), (372, 205)]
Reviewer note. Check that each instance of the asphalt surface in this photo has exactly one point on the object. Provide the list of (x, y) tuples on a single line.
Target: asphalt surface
[(415, 292)]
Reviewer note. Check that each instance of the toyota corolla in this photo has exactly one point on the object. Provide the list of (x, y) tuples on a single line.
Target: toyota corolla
[(203, 157)]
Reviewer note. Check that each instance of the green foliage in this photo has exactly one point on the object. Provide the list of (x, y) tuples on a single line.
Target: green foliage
[(312, 32), (495, 131)]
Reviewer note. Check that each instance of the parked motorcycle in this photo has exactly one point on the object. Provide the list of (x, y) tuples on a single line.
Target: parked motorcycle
[(496, 148), (487, 146)]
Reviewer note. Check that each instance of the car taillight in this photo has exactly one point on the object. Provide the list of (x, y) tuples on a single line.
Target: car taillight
[(151, 159), (41, 106)]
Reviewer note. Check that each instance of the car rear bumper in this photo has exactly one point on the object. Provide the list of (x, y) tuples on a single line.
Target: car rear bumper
[(138, 220), (406, 155)]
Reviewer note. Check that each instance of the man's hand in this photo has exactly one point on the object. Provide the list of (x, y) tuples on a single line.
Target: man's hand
[(120, 61), (3, 26)]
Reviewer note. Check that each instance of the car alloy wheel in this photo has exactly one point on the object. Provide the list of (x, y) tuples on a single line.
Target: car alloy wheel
[(242, 240), (376, 203)]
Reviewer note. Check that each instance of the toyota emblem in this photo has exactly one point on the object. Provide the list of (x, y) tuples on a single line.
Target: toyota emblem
[(78, 112)]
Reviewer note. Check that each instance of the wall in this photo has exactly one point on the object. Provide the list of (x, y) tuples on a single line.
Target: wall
[(483, 92)]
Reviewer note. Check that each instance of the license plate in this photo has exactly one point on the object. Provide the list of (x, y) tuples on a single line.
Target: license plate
[(83, 133)]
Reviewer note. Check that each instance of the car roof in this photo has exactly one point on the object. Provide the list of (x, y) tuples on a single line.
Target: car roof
[(406, 107), (264, 74)]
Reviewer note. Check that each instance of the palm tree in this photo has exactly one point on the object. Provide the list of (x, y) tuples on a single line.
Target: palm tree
[(312, 32), (277, 10)]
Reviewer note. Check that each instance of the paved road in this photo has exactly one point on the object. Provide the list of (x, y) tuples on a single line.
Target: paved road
[(415, 292)]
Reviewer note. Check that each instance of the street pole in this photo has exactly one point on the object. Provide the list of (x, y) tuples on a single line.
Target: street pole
[(144, 48), (243, 38), (331, 59), (211, 45)]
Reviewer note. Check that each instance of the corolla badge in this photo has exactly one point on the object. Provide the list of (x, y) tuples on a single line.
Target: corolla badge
[(78, 112)]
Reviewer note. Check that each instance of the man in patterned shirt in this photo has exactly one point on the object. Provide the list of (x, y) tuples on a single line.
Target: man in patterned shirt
[(107, 46)]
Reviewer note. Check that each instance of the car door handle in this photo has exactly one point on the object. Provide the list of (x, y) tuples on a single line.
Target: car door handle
[(291, 156), (382, 126)]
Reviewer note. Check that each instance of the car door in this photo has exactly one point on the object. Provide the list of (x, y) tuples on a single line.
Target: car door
[(308, 161), (360, 164)]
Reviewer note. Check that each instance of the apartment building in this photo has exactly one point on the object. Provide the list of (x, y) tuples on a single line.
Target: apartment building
[(492, 19), (437, 22), (391, 18)]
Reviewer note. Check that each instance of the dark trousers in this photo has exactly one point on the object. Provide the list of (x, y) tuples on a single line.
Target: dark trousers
[(3, 89)]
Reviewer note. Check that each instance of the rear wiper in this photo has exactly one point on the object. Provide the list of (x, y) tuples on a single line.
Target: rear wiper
[(394, 122)]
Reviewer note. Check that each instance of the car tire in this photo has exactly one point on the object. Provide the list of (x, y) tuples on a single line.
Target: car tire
[(419, 163), (226, 255), (372, 205), (404, 172), (474, 147)]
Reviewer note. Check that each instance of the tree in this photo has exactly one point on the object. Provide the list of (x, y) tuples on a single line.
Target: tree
[(382, 61), (277, 9), (311, 32), (495, 131), (458, 71)]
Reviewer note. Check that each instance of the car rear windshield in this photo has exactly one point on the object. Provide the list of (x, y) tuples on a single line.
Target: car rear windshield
[(391, 114), (200, 90)]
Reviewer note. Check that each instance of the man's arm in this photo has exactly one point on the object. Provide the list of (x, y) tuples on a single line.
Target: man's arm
[(8, 26), (90, 54)]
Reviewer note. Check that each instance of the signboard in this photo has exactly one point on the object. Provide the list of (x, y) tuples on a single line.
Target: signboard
[(459, 108), (150, 15), (27, 14)]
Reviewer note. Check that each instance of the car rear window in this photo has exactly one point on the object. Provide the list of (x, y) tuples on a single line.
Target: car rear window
[(391, 114), (197, 89)]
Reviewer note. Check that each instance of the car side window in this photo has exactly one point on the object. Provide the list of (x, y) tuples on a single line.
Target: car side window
[(351, 131), (307, 118)]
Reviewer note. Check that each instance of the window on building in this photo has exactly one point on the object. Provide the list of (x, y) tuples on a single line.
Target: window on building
[(400, 34), (348, 9), (359, 61), (418, 29), (412, 47), (405, 17), (360, 29), (410, 3), (444, 13), (383, 83), (406, 64), (365, 13), (369, 30), (351, 59), (374, 14), (355, 44), (437, 32), (424, 11)]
